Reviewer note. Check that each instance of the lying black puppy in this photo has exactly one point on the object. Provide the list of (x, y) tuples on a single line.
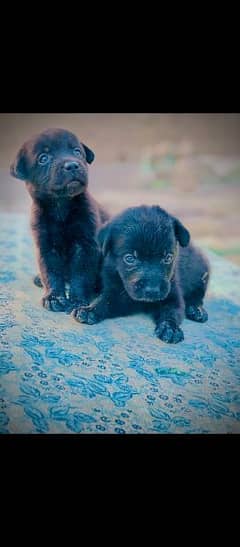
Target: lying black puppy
[(145, 270), (64, 216)]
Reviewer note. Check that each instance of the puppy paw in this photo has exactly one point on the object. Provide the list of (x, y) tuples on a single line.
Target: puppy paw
[(76, 304), (53, 302), (169, 332), (86, 315), (196, 313)]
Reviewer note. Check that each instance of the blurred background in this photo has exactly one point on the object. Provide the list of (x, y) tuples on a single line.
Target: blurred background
[(186, 163)]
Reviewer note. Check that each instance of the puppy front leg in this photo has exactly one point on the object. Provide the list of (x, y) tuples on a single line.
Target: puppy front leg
[(112, 302), (51, 269), (103, 307), (168, 316), (83, 269)]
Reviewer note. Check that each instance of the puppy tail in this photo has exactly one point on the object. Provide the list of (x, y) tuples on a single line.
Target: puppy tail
[(37, 281)]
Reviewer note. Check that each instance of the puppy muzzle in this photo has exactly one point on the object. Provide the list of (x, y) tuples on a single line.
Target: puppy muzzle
[(147, 293)]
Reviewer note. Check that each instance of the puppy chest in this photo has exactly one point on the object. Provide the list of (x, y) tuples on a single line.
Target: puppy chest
[(58, 237)]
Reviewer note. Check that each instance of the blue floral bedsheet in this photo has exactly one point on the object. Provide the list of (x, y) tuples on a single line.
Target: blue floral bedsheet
[(116, 377)]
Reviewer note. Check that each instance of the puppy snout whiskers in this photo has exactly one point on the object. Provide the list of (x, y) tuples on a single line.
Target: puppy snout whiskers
[(138, 285)]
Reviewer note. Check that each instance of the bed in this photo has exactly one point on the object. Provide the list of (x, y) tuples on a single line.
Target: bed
[(57, 376)]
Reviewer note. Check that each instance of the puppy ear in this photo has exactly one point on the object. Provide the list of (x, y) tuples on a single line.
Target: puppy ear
[(18, 168), (181, 233), (104, 238), (89, 153)]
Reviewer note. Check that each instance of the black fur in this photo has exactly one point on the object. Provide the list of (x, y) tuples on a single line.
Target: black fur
[(64, 217), (149, 266)]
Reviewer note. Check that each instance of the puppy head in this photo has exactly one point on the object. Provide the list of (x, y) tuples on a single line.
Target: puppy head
[(53, 163), (142, 244)]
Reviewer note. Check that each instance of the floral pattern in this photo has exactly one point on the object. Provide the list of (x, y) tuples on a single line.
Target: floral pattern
[(57, 376)]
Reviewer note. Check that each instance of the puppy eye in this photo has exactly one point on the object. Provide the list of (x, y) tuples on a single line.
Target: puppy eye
[(77, 152), (168, 258), (129, 259), (43, 158)]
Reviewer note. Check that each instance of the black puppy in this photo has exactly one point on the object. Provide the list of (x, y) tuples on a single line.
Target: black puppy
[(64, 217), (145, 270)]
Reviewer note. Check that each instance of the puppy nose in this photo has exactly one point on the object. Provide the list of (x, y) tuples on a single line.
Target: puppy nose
[(70, 166), (151, 293)]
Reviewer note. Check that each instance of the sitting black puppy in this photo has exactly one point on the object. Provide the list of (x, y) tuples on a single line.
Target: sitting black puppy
[(145, 270), (64, 217)]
